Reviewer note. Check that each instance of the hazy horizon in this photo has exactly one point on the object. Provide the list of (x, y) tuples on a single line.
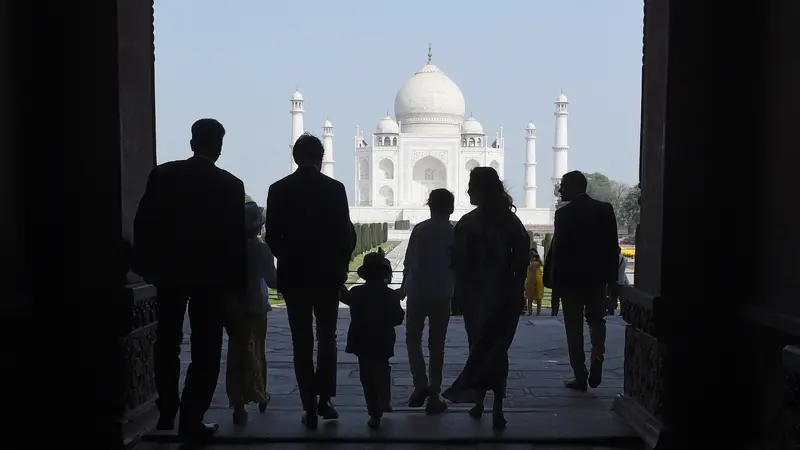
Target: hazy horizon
[(241, 62)]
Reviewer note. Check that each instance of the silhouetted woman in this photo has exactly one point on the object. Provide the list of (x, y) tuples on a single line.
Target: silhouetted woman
[(490, 261)]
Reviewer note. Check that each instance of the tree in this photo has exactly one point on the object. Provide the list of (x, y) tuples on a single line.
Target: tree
[(559, 202), (600, 187), (247, 198), (629, 209)]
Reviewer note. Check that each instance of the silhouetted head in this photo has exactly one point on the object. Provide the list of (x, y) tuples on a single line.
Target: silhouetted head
[(487, 190), (308, 151), (573, 184), (376, 267), (207, 135), (253, 219), (441, 203)]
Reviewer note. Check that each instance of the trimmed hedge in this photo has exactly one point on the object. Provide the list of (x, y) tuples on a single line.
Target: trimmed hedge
[(369, 236), (548, 239), (402, 225)]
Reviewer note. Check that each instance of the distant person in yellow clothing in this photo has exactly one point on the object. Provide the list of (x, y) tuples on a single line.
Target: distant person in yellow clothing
[(534, 288)]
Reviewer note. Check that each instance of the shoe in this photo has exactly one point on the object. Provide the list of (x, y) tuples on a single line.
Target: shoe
[(374, 423), (499, 421), (476, 411), (387, 408), (239, 416), (165, 423), (435, 405), (418, 397), (200, 432), (326, 410), (310, 420), (595, 373), (262, 406), (576, 384)]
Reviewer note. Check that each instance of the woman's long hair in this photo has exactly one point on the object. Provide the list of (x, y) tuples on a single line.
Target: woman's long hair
[(486, 183)]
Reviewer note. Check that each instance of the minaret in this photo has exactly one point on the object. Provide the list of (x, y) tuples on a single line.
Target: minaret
[(561, 146), (530, 166), (297, 112), (327, 144)]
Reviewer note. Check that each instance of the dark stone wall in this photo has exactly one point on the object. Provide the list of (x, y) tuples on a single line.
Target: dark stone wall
[(703, 345), (77, 141)]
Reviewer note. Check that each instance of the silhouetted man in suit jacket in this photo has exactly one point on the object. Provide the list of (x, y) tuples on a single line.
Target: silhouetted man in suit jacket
[(581, 262), (189, 241), (309, 230)]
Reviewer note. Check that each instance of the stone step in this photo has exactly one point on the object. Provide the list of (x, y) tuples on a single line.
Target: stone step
[(541, 426)]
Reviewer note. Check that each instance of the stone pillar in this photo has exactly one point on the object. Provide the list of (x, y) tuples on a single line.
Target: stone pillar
[(136, 77), (695, 363), (79, 140)]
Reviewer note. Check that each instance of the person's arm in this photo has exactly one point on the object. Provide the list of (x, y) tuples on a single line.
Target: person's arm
[(611, 244), (268, 271), (146, 233), (550, 256), (350, 297), (520, 252), (342, 228), (409, 258), (397, 310), (235, 217), (273, 227)]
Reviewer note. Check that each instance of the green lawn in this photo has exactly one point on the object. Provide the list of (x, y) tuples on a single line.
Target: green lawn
[(276, 300), (359, 259)]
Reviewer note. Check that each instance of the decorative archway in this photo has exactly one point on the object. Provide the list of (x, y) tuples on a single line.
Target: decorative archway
[(471, 164), (429, 173), (496, 166), (386, 167), (363, 169), (386, 195), (364, 197)]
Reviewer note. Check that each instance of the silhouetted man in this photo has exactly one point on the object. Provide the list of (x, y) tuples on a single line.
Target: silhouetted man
[(189, 240), (581, 263), (309, 230)]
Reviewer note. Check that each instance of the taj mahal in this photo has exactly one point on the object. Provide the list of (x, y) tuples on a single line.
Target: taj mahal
[(431, 144)]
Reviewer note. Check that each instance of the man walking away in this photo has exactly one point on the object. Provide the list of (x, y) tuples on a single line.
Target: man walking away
[(190, 242), (309, 230), (584, 261), (428, 282)]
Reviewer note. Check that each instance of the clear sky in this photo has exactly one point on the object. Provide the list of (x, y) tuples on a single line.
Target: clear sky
[(239, 62)]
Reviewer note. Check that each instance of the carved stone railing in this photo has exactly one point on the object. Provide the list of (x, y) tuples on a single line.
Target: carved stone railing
[(642, 403), (137, 337), (788, 430)]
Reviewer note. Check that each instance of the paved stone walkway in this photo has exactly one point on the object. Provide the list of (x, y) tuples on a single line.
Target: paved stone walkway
[(537, 404), (538, 364)]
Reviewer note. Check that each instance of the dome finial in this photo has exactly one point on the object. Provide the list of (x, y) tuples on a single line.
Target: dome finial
[(430, 53), (387, 112)]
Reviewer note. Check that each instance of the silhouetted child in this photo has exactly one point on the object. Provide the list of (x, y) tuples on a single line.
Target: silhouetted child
[(374, 312), (246, 373)]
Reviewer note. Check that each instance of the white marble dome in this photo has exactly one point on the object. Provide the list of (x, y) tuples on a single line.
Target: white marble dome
[(429, 96), (297, 96), (327, 124), (387, 125), (471, 126), (562, 98)]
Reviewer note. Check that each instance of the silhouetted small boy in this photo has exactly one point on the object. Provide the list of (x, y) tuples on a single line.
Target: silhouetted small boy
[(374, 312)]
